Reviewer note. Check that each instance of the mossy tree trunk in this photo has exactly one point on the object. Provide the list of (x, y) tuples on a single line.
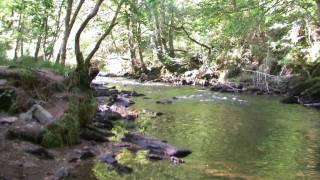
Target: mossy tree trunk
[(83, 64)]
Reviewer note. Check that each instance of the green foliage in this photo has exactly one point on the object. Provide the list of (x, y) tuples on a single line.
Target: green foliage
[(119, 130), (103, 171), (66, 131), (63, 133), (87, 108), (29, 62)]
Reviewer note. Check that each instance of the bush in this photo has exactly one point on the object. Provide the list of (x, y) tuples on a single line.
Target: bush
[(87, 110), (63, 133), (66, 131)]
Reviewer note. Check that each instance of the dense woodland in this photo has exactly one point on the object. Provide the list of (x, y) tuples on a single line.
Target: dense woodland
[(277, 37), (52, 50)]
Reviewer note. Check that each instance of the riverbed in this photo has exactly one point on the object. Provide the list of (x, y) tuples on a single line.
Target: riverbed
[(232, 136)]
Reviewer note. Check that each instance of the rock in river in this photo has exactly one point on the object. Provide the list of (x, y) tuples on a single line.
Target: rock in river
[(156, 146)]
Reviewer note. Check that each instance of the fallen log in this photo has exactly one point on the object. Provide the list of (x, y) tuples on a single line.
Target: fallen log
[(156, 146)]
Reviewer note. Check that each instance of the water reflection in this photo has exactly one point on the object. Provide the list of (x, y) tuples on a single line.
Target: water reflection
[(232, 136)]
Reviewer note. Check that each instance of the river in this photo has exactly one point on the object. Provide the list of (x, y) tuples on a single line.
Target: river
[(232, 136)]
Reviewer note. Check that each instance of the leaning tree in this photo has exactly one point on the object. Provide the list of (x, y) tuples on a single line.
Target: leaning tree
[(82, 72)]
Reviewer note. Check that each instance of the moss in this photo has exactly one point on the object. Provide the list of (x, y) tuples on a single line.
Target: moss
[(52, 137), (87, 110), (63, 133), (66, 131)]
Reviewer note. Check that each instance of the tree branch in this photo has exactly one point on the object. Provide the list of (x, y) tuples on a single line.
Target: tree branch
[(78, 52), (106, 33), (190, 37)]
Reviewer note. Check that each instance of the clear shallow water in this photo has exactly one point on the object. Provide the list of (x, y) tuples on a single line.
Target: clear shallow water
[(231, 136)]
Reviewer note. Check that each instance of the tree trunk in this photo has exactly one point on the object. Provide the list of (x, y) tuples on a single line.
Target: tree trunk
[(69, 22), (158, 41), (132, 34), (83, 65), (318, 9), (45, 51), (132, 45), (57, 30), (36, 53), (140, 49), (171, 36), (63, 50), (18, 37)]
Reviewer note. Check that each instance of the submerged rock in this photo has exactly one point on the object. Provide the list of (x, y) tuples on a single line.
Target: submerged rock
[(156, 146), (132, 93), (164, 101), (111, 160), (103, 91)]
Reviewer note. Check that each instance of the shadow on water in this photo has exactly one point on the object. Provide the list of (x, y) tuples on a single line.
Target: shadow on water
[(232, 136)]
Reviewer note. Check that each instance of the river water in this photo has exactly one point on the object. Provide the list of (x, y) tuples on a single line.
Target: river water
[(232, 136)]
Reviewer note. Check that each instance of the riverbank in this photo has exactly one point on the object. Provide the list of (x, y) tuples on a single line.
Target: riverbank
[(295, 89), (49, 132)]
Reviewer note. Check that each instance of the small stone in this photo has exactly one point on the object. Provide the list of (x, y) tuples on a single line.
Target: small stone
[(122, 169), (165, 101), (61, 173), (158, 113), (3, 82), (86, 155), (109, 159), (8, 120)]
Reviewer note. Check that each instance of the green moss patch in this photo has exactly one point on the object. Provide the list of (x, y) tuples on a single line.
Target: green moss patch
[(66, 131)]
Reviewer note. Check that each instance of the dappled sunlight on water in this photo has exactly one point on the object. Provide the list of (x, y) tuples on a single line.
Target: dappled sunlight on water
[(231, 135)]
